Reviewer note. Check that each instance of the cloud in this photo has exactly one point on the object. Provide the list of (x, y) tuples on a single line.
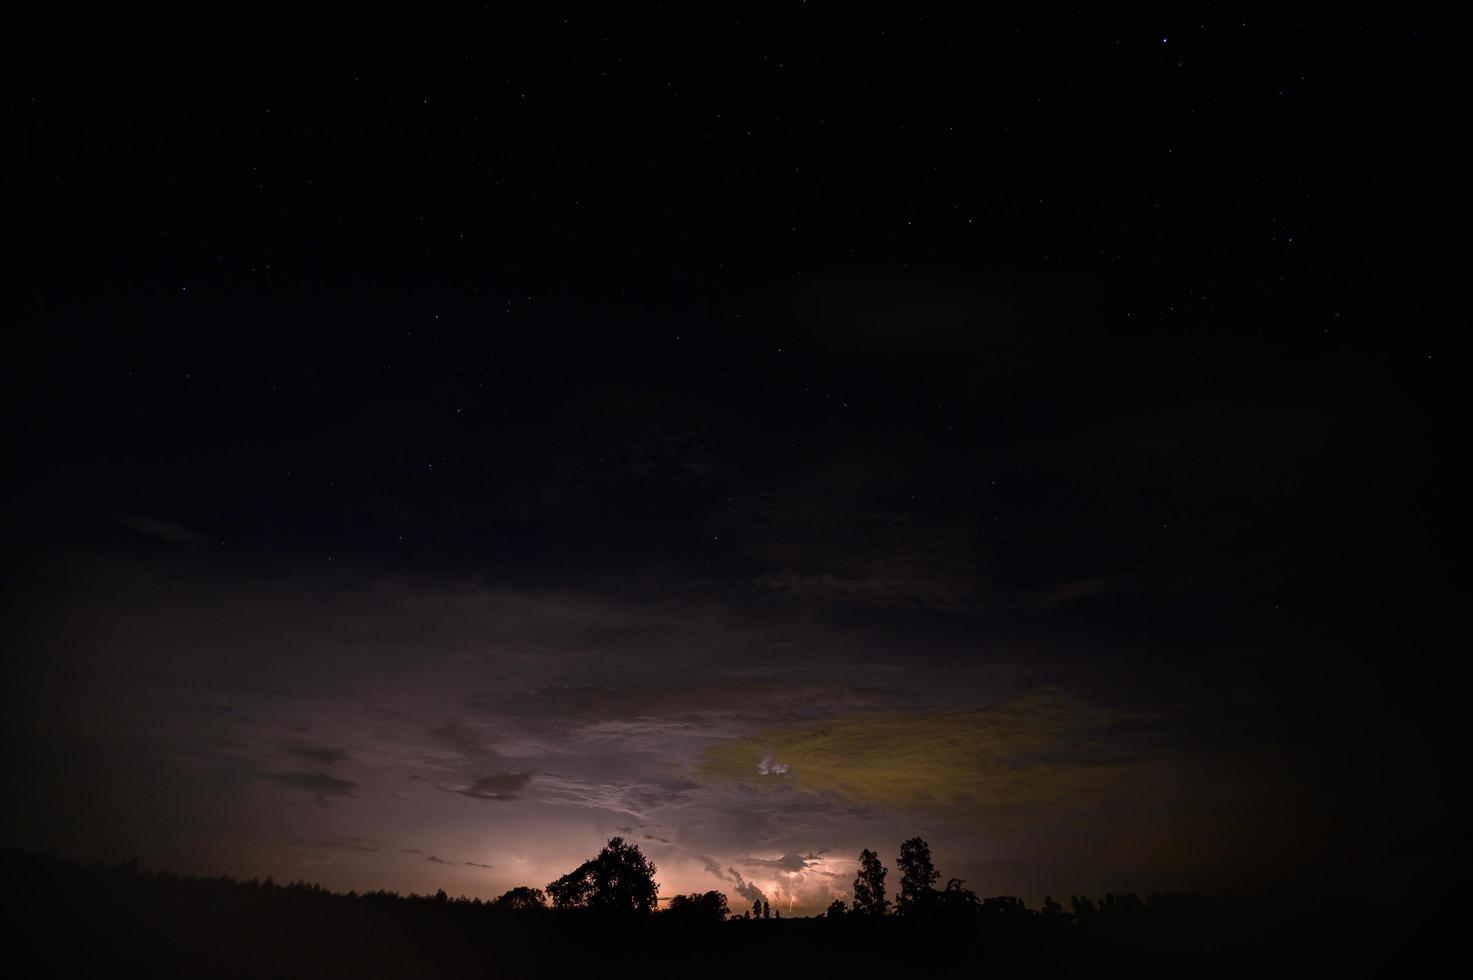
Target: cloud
[(497, 786), (840, 530), (649, 713), (168, 531), (886, 316), (788, 862), (743, 887), (320, 784), (464, 739), (651, 734), (436, 859), (323, 755), (882, 584), (1042, 748), (410, 850), (852, 715), (636, 798), (768, 767), (351, 843), (345, 842)]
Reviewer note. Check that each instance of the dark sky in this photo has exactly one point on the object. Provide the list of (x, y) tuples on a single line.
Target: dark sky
[(436, 447)]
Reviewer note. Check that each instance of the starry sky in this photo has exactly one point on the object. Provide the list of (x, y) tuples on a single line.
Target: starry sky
[(436, 448)]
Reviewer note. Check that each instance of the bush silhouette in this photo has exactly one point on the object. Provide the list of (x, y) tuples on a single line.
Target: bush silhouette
[(698, 907), (522, 899)]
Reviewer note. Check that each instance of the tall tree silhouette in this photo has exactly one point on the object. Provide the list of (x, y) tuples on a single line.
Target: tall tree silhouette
[(917, 874), (869, 885), (619, 879)]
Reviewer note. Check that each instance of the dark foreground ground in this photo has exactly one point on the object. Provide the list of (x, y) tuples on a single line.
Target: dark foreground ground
[(63, 919)]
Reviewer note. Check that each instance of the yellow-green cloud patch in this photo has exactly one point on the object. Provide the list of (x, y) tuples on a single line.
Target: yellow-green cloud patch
[(1039, 748)]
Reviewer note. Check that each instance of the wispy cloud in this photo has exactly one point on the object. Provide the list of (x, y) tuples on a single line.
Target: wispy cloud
[(496, 786), (344, 842), (175, 534), (744, 888), (788, 862), (469, 741), (319, 784), (322, 755), (636, 798)]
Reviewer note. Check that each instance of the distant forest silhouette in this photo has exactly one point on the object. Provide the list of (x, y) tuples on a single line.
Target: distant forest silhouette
[(605, 918)]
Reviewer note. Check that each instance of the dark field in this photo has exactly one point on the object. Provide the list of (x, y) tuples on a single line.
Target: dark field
[(70, 920)]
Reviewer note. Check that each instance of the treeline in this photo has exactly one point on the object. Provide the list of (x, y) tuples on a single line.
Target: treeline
[(620, 879), (118, 920)]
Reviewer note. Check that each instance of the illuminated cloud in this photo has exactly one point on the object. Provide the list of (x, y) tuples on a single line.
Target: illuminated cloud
[(632, 797), (788, 862)]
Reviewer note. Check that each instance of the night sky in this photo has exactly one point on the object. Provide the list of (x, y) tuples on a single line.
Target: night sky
[(436, 448)]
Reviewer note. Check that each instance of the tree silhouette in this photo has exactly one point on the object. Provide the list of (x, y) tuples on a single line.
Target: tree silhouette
[(837, 909), (1004, 905), (165, 925), (917, 874), (956, 902), (869, 885), (522, 899), (619, 879), (708, 907), (766, 911)]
